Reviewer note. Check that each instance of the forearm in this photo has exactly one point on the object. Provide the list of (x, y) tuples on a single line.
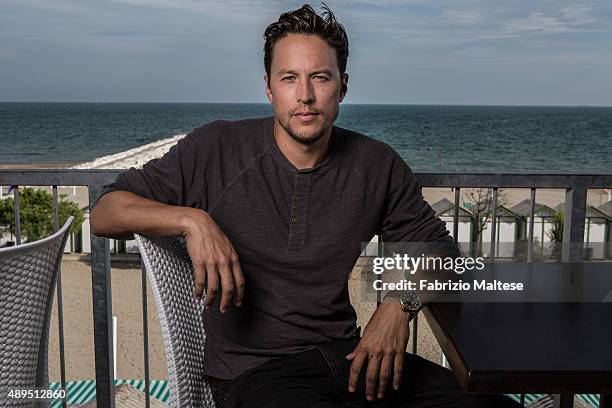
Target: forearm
[(119, 214)]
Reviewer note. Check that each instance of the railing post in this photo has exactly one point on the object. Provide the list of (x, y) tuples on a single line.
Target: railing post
[(573, 224), (572, 251), (494, 224), (531, 235), (102, 311), (17, 215), (145, 332), (60, 305)]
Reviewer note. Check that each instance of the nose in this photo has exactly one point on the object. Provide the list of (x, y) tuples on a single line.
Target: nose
[(305, 92)]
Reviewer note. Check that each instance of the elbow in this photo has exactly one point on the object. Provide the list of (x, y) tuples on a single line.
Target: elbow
[(104, 220), (96, 223), (99, 219)]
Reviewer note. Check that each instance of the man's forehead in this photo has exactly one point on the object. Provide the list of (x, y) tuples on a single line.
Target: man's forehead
[(300, 51), (323, 69)]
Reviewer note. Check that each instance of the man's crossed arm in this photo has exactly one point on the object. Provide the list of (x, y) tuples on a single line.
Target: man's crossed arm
[(119, 214)]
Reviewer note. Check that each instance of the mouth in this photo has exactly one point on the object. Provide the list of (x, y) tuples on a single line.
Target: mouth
[(306, 116)]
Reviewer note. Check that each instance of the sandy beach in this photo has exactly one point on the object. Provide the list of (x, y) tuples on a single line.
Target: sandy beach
[(135, 157)]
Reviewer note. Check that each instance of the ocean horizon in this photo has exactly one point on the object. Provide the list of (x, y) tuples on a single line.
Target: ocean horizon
[(442, 138)]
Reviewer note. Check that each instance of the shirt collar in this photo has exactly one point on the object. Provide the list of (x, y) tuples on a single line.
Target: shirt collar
[(325, 164)]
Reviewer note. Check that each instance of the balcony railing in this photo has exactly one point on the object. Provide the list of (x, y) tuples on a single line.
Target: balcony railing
[(575, 186)]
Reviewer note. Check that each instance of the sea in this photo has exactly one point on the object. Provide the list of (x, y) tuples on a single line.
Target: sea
[(517, 139)]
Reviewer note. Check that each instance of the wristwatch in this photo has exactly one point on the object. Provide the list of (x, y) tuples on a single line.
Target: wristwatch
[(410, 301)]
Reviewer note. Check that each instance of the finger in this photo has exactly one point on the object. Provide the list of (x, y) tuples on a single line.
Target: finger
[(200, 280), (353, 353), (212, 278), (238, 282), (398, 370), (227, 284), (372, 375), (360, 357), (384, 374)]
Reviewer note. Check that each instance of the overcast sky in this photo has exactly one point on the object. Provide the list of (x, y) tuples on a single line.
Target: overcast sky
[(530, 52)]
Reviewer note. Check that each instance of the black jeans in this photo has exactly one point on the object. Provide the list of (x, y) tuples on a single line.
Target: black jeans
[(319, 378)]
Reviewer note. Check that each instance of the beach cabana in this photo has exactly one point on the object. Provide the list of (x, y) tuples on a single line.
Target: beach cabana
[(596, 230), (445, 209), (543, 222), (507, 231), (606, 209)]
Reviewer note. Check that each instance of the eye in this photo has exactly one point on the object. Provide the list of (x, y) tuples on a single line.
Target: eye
[(288, 78), (321, 77)]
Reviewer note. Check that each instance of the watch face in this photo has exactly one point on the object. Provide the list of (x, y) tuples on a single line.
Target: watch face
[(411, 301)]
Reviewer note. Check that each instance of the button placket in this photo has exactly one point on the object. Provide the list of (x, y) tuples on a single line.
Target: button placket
[(299, 203)]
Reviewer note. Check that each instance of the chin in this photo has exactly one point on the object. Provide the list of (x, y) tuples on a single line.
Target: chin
[(308, 137)]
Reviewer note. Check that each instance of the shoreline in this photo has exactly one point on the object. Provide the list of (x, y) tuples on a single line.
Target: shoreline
[(125, 159), (134, 157)]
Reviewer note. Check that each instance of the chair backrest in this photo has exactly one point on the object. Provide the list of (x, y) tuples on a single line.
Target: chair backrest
[(28, 274), (181, 318)]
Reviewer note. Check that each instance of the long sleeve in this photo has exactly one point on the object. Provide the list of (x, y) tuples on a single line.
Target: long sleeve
[(407, 217), (175, 178)]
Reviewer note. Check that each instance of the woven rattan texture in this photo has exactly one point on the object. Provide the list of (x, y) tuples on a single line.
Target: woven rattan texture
[(27, 282), (172, 279)]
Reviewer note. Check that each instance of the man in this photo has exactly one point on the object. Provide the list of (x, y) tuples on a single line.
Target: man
[(274, 211)]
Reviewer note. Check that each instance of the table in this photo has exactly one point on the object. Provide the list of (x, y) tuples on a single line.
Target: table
[(553, 348)]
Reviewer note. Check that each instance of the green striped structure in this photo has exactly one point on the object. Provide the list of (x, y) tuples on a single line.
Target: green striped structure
[(591, 399), (81, 392)]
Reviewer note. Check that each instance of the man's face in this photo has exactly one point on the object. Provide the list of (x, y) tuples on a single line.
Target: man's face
[(305, 86)]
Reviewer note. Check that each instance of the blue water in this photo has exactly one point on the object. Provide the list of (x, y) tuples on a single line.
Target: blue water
[(429, 138)]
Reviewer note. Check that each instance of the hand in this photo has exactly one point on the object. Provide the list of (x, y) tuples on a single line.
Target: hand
[(214, 259), (383, 345)]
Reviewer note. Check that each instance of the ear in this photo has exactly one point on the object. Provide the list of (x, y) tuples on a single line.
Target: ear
[(268, 90), (344, 90)]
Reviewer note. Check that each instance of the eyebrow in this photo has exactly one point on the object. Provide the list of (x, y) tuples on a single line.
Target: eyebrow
[(320, 71)]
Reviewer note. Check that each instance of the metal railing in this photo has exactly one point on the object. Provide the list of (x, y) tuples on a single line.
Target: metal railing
[(575, 187)]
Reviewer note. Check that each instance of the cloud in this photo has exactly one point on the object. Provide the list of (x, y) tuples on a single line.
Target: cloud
[(212, 39), (463, 16), (567, 19), (64, 6), (228, 10)]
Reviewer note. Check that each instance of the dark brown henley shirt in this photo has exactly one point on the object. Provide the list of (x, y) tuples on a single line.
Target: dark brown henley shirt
[(297, 233)]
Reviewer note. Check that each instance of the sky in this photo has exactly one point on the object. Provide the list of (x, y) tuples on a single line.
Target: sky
[(527, 52)]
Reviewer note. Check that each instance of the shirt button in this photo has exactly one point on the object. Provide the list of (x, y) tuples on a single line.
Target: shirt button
[(293, 220)]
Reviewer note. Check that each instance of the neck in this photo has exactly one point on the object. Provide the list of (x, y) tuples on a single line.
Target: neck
[(300, 155)]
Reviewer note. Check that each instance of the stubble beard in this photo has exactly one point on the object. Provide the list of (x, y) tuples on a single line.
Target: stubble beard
[(306, 138)]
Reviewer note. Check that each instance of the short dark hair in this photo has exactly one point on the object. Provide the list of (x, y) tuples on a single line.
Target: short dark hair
[(306, 21)]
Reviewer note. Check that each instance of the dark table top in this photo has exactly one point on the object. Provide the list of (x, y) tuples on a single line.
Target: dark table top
[(526, 347)]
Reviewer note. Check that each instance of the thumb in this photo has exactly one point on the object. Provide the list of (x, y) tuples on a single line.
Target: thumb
[(200, 280)]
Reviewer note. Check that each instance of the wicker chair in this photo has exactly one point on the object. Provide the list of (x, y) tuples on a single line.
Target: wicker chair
[(28, 274), (181, 317)]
